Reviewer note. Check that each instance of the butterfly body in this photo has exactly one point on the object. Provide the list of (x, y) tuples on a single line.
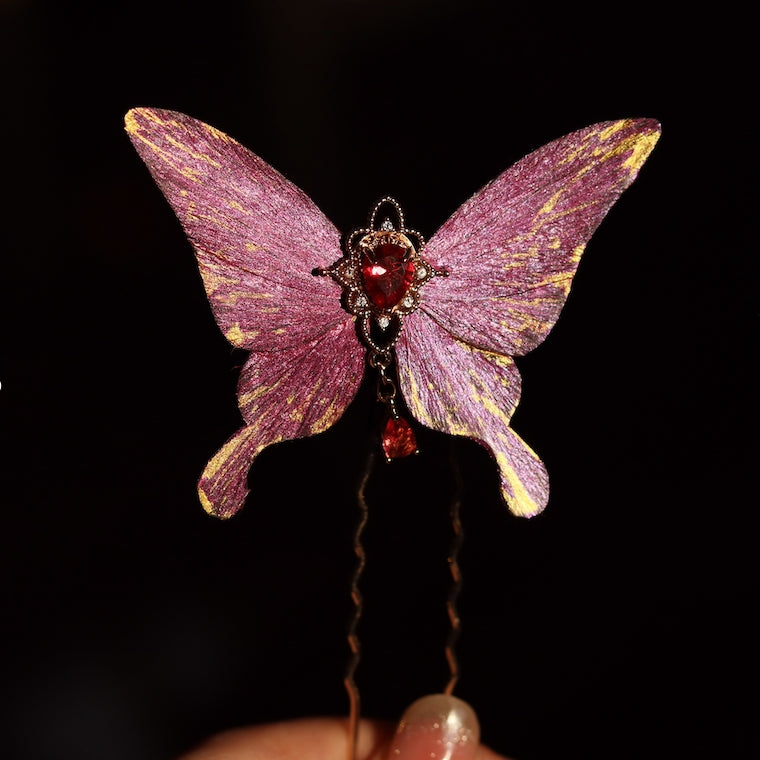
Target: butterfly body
[(489, 285)]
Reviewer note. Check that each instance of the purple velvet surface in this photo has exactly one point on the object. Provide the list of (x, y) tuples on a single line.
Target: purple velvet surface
[(458, 389), (513, 248), (257, 236)]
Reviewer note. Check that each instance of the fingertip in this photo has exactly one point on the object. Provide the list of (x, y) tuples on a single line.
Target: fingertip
[(302, 739), (439, 726)]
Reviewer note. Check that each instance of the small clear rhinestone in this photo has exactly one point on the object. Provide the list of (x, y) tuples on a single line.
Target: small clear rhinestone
[(408, 302), (361, 302), (421, 273), (383, 321), (387, 226)]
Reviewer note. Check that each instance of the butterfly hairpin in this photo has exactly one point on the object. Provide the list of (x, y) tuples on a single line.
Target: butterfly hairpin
[(447, 315), (437, 321)]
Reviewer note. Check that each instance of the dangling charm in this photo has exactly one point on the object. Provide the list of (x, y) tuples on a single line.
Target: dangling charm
[(397, 439)]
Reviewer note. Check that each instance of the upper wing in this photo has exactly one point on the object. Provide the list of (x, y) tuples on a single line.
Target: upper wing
[(513, 248), (256, 235)]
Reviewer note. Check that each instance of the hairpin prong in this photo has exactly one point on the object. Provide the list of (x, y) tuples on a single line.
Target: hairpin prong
[(356, 597), (456, 575)]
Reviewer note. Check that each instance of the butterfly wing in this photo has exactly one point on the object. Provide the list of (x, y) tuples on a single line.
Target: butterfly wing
[(257, 238), (512, 249), (299, 391), (458, 389), (511, 252)]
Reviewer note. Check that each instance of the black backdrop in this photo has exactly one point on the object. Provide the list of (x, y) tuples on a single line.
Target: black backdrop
[(617, 624)]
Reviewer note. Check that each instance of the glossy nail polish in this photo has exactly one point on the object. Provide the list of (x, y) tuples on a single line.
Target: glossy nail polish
[(436, 727)]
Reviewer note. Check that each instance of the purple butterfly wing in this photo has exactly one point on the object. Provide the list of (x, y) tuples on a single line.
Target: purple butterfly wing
[(511, 252), (256, 235), (458, 389), (513, 248), (297, 392), (257, 239)]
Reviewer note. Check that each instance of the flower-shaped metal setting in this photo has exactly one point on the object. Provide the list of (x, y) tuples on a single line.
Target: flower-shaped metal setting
[(382, 273)]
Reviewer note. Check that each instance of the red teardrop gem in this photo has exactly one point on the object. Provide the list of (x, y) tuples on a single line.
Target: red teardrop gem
[(386, 275), (398, 439)]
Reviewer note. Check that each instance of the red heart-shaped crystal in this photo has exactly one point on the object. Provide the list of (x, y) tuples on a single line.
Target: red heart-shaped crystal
[(387, 274)]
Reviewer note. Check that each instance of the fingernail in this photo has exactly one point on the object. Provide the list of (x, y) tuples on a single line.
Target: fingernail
[(437, 727)]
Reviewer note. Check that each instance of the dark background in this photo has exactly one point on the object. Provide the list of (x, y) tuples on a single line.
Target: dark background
[(620, 623)]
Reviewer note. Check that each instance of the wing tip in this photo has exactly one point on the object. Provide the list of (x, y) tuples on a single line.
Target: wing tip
[(214, 509), (519, 510), (131, 123), (525, 502), (645, 124), (649, 128), (135, 118), (637, 123), (648, 132), (628, 140)]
